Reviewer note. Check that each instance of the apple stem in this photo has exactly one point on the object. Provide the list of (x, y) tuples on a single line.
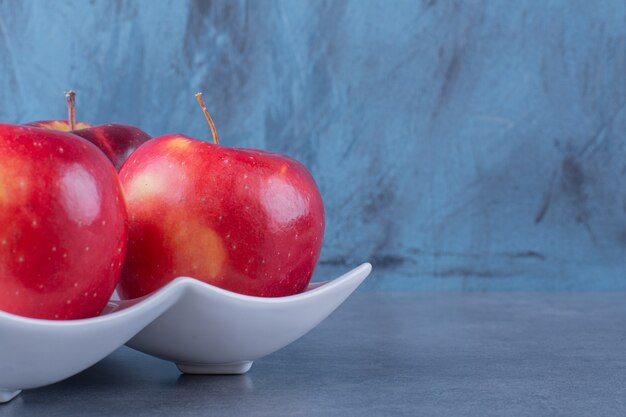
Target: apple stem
[(70, 96), (216, 140)]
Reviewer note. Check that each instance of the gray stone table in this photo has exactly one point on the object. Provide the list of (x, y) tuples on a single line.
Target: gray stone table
[(437, 354)]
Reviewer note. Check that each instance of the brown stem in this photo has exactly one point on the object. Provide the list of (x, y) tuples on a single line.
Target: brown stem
[(70, 96), (216, 140)]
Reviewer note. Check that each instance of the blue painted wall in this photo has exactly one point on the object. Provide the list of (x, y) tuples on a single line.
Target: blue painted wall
[(457, 144)]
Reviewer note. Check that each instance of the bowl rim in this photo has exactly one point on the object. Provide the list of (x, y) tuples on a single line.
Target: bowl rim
[(184, 283)]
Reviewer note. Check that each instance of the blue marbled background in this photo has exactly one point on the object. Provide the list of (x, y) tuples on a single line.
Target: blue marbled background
[(457, 144)]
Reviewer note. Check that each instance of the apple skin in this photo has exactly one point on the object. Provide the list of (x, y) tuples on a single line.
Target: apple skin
[(63, 225), (59, 125), (117, 141), (245, 220)]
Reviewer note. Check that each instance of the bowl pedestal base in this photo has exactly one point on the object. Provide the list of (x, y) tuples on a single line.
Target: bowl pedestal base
[(7, 395), (232, 368)]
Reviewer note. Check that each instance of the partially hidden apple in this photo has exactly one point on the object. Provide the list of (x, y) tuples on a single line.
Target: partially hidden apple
[(63, 125), (63, 225), (116, 140), (245, 220), (59, 125)]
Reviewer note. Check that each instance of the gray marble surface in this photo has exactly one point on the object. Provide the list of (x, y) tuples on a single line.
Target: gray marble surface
[(448, 354)]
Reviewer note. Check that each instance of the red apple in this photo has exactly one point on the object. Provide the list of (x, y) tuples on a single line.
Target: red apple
[(117, 141), (59, 125), (63, 225), (63, 125), (245, 220)]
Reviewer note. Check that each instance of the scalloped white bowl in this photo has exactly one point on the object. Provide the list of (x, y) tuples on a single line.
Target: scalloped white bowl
[(202, 328)]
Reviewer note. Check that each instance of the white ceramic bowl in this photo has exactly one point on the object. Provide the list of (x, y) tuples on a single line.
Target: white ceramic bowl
[(202, 328)]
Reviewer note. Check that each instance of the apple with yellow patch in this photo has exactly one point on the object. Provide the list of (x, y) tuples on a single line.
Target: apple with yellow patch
[(63, 125), (59, 125), (245, 220), (116, 140)]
